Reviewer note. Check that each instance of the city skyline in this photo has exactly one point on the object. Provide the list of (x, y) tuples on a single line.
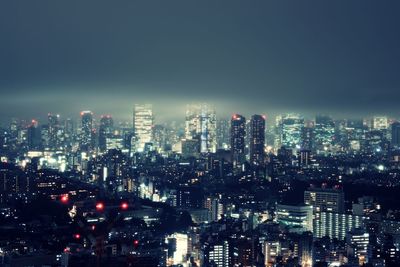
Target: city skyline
[(175, 133)]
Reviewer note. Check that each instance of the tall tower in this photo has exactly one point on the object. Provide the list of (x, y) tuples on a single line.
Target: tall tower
[(257, 139), (87, 130), (105, 129), (143, 125), (396, 134), (53, 128), (324, 131), (201, 124), (290, 128), (238, 133)]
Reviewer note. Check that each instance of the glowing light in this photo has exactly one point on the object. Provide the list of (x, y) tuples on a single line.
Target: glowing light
[(100, 206), (124, 205), (77, 236), (64, 199)]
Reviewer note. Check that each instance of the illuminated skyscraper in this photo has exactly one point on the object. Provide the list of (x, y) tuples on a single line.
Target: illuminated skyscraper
[(290, 129), (238, 133), (54, 127), (105, 130), (380, 123), (87, 130), (223, 126), (201, 124), (257, 139), (143, 125), (324, 131)]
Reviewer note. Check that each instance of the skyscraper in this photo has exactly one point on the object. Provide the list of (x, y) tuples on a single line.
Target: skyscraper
[(87, 130), (54, 127), (223, 126), (396, 134), (257, 139), (380, 123), (105, 130), (143, 125), (201, 124), (324, 132), (238, 133), (290, 129), (34, 136)]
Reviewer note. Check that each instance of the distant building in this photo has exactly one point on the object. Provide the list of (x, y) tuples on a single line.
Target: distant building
[(290, 128), (217, 254), (143, 125), (380, 123), (238, 133), (324, 132), (298, 218), (358, 246), (325, 199), (105, 131), (396, 134), (201, 124), (336, 225), (86, 130), (257, 139)]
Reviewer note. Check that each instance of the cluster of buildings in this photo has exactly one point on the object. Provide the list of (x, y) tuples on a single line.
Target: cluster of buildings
[(206, 192)]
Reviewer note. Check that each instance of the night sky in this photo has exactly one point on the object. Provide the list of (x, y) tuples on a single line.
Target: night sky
[(249, 56)]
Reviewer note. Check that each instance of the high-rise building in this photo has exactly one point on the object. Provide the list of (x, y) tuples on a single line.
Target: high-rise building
[(290, 129), (358, 246), (34, 136), (223, 127), (143, 125), (396, 134), (238, 133), (87, 130), (324, 132), (105, 130), (217, 254), (53, 128), (335, 225), (201, 124), (308, 137), (257, 139), (325, 199), (380, 123)]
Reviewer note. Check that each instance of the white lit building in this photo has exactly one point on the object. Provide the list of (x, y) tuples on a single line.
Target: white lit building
[(143, 125), (201, 124)]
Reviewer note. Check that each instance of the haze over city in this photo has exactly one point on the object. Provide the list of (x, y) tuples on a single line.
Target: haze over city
[(337, 57)]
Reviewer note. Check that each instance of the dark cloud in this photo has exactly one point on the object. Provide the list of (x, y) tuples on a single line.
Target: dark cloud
[(340, 57)]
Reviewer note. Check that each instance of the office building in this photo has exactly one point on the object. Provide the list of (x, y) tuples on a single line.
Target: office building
[(257, 139), (238, 133), (336, 225), (325, 199), (143, 126), (201, 124), (297, 218), (86, 130), (105, 131)]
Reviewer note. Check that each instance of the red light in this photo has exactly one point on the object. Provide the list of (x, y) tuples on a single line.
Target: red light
[(93, 227), (136, 242), (124, 205), (77, 236), (99, 206), (64, 199)]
